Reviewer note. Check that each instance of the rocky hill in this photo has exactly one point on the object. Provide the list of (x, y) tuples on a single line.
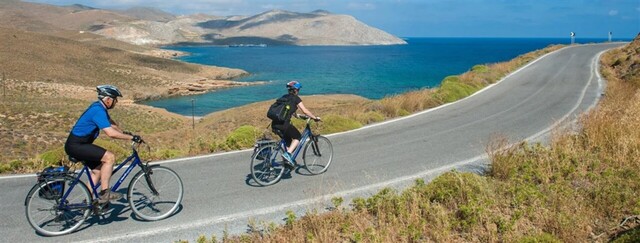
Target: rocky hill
[(284, 27), (148, 26)]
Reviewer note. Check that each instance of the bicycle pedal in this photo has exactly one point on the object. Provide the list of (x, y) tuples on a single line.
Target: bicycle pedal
[(100, 209)]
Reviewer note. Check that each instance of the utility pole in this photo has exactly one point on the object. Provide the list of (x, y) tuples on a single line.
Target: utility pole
[(573, 37), (193, 116)]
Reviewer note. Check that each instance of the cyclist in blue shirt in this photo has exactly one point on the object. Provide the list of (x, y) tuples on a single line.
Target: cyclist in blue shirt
[(288, 132), (80, 145)]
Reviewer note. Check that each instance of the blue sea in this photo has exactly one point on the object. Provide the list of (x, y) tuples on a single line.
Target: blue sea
[(369, 71)]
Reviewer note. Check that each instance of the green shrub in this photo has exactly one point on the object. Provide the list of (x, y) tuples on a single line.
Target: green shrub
[(480, 69), (628, 237), (383, 202), (403, 112), (456, 186), (53, 157), (334, 123), (337, 202), (167, 153), (359, 203), (15, 165), (467, 195), (5, 168), (291, 218), (242, 137), (451, 89), (370, 117)]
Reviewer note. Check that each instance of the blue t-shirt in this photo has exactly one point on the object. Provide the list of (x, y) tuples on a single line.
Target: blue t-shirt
[(94, 119)]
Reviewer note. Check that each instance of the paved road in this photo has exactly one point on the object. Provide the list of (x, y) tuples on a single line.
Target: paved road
[(218, 195)]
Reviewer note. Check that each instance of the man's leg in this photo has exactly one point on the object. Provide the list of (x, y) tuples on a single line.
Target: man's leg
[(108, 160), (95, 177)]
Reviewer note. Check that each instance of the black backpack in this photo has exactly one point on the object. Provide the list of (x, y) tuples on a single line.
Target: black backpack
[(279, 111)]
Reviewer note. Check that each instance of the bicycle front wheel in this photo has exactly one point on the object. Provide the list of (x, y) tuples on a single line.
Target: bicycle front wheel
[(267, 165), (317, 155), (50, 214), (150, 205)]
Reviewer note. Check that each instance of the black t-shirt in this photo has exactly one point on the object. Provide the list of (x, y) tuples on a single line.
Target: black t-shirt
[(294, 100)]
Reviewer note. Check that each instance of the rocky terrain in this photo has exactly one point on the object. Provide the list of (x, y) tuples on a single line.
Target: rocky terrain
[(148, 26)]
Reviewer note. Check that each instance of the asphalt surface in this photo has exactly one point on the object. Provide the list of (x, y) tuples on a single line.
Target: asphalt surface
[(220, 197)]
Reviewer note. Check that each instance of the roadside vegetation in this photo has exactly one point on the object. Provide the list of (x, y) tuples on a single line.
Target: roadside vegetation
[(576, 189)]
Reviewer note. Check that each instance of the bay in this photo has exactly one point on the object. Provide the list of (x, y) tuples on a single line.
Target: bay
[(369, 71)]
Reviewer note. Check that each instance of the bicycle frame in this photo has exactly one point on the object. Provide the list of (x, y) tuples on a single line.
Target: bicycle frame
[(305, 134), (135, 161)]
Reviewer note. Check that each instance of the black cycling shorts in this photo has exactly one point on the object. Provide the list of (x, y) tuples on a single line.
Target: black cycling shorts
[(83, 149), (288, 132)]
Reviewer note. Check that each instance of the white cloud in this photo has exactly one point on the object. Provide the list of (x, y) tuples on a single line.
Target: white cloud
[(613, 12), (361, 6)]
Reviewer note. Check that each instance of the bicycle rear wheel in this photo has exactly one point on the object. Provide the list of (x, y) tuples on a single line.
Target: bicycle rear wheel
[(267, 165), (155, 206), (317, 155), (46, 212)]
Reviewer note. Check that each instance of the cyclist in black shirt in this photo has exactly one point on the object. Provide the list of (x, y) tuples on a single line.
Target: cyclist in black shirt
[(287, 131)]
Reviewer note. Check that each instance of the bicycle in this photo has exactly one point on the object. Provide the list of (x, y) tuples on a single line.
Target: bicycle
[(154, 193), (267, 164)]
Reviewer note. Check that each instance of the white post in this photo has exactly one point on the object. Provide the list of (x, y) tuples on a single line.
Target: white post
[(610, 34)]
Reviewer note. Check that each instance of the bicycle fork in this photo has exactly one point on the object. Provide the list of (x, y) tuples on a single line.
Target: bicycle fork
[(314, 146), (147, 176)]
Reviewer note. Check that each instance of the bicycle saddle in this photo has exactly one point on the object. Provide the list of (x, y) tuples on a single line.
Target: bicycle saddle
[(74, 160)]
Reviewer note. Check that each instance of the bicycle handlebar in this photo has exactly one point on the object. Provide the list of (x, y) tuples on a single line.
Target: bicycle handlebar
[(131, 134), (305, 117)]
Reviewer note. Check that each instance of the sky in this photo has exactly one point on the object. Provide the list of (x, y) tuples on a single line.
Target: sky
[(432, 18)]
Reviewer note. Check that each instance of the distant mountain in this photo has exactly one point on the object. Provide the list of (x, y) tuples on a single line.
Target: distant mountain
[(290, 28), (149, 26), (276, 27), (150, 14)]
